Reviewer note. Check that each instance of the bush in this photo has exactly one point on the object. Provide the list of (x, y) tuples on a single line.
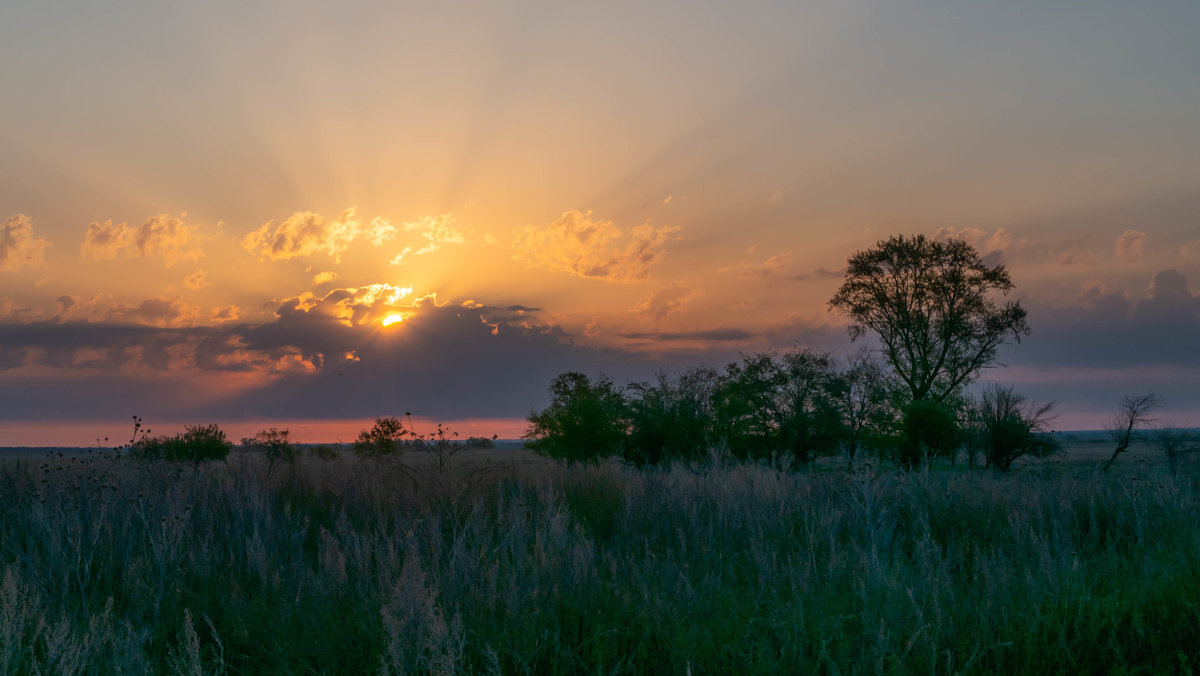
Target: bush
[(274, 445), (928, 429), (586, 420), (386, 439), (197, 444), (1011, 427)]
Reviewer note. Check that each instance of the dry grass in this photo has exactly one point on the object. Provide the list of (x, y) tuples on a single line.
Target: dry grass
[(500, 562)]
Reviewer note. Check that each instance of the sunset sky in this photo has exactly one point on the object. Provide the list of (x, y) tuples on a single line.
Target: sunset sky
[(209, 210)]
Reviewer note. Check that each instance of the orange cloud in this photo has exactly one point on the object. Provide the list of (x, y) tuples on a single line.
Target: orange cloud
[(594, 249), (437, 231), (775, 265), (167, 236), (18, 245), (352, 305), (323, 278), (197, 280), (664, 301), (163, 234), (161, 312), (1129, 246), (302, 234), (104, 241)]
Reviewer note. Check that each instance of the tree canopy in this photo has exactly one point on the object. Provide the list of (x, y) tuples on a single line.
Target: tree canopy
[(931, 304)]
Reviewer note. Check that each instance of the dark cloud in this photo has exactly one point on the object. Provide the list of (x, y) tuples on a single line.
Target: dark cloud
[(717, 335), (821, 273), (1106, 330), (312, 360)]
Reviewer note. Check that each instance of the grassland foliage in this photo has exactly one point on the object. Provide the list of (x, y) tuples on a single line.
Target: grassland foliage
[(505, 562)]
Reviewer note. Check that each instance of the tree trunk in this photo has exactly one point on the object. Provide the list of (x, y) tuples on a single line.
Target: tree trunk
[(1120, 449)]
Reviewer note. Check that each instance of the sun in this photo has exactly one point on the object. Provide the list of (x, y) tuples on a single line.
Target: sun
[(392, 319)]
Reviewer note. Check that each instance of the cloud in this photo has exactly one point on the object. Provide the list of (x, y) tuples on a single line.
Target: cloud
[(351, 306), (664, 301), (197, 280), (162, 235), (1104, 328), (713, 335), (1129, 246), (993, 248), (594, 249), (302, 234), (103, 241), (229, 313), (167, 236), (438, 231), (822, 273), (379, 231), (1190, 252), (771, 267), (18, 245), (155, 312), (323, 278), (63, 307), (443, 360)]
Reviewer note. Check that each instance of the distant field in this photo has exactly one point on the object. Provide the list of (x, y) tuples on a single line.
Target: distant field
[(500, 561)]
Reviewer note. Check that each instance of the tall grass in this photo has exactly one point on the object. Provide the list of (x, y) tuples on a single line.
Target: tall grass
[(529, 567)]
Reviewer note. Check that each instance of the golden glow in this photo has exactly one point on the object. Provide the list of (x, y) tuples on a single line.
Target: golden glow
[(392, 319)]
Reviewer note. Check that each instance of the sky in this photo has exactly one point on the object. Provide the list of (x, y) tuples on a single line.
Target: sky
[(313, 213)]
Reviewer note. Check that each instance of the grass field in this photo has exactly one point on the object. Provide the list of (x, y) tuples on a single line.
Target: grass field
[(502, 562)]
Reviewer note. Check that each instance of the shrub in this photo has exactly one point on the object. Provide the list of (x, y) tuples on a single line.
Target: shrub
[(386, 439), (325, 452), (274, 445), (197, 444), (928, 429), (1011, 427)]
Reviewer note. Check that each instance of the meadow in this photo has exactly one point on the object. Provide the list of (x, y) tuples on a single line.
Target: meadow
[(501, 561)]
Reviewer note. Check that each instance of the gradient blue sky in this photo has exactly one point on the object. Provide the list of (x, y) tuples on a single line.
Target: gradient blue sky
[(207, 210)]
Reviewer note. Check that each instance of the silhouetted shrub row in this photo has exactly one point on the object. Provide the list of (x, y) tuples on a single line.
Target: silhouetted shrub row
[(783, 409), (196, 444)]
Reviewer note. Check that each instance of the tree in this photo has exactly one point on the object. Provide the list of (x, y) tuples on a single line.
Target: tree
[(586, 420), (274, 445), (863, 393), (810, 423), (930, 302), (386, 439), (746, 404), (670, 419), (1127, 420), (1011, 427), (767, 406)]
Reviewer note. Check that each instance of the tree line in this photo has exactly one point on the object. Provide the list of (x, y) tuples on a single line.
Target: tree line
[(932, 305), (785, 409)]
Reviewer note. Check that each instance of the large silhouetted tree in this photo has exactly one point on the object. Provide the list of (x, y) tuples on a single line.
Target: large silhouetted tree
[(931, 304)]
